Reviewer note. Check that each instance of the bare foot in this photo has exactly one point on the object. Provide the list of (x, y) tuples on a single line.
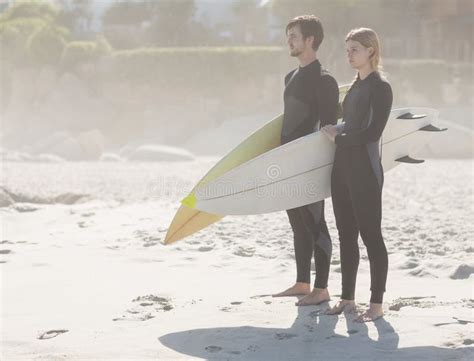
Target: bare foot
[(319, 295), (298, 289), (346, 306), (374, 312)]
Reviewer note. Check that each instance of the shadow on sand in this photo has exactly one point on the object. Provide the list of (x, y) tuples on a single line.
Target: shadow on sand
[(311, 336)]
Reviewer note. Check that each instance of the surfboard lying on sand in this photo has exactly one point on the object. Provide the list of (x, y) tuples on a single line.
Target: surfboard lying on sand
[(190, 220), (282, 179)]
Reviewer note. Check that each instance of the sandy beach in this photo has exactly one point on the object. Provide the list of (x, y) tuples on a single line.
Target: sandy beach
[(85, 275), (110, 113)]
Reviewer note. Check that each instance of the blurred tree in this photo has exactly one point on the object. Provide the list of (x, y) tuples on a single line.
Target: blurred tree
[(251, 22), (83, 52), (173, 23), (30, 9), (124, 23), (46, 45), (76, 15), (331, 12), (128, 12), (26, 24)]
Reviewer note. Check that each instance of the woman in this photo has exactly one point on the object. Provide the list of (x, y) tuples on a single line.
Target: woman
[(357, 175)]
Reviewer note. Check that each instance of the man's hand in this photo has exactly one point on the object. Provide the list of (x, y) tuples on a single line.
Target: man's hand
[(330, 131)]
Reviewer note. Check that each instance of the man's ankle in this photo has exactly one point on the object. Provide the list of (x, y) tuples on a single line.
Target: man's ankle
[(317, 289)]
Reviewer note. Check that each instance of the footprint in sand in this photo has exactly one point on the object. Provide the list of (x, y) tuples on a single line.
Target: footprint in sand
[(410, 230), (25, 208), (51, 334), (315, 314), (230, 309), (140, 233), (83, 224), (457, 343), (421, 272), (412, 301), (285, 336), (4, 251), (90, 214), (147, 307), (409, 264), (259, 296), (457, 321), (213, 349), (150, 244), (462, 272), (151, 241), (244, 252)]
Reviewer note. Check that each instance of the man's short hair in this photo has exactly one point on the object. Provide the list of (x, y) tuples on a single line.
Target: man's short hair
[(310, 25)]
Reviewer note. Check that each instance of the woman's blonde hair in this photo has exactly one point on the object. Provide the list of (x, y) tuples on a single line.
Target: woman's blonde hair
[(368, 38)]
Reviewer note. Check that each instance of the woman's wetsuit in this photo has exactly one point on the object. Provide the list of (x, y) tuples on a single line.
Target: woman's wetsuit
[(357, 180)]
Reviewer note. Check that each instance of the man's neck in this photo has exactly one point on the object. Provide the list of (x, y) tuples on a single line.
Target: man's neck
[(307, 58)]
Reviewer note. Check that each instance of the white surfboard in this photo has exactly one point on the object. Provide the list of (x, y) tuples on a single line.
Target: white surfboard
[(283, 179), (189, 220)]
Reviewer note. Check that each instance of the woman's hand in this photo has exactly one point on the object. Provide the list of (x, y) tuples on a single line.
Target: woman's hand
[(330, 131)]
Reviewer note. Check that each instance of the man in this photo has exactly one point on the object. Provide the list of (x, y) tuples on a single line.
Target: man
[(310, 102)]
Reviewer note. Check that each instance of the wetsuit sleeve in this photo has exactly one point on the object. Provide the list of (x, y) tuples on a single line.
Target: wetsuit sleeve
[(328, 100), (382, 98)]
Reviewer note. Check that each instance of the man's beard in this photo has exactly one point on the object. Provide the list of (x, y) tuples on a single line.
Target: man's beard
[(295, 52)]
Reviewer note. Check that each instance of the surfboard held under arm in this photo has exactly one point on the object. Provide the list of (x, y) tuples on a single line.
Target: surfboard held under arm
[(282, 179)]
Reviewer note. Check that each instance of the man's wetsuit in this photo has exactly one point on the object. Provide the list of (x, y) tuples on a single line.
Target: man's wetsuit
[(357, 180), (310, 99)]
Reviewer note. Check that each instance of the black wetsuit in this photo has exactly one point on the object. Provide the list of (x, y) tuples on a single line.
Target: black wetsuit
[(311, 99), (357, 180)]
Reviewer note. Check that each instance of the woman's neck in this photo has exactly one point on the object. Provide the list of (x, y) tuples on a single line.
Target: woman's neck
[(365, 71)]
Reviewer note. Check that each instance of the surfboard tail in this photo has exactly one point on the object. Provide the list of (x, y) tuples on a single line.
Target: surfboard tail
[(188, 221)]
